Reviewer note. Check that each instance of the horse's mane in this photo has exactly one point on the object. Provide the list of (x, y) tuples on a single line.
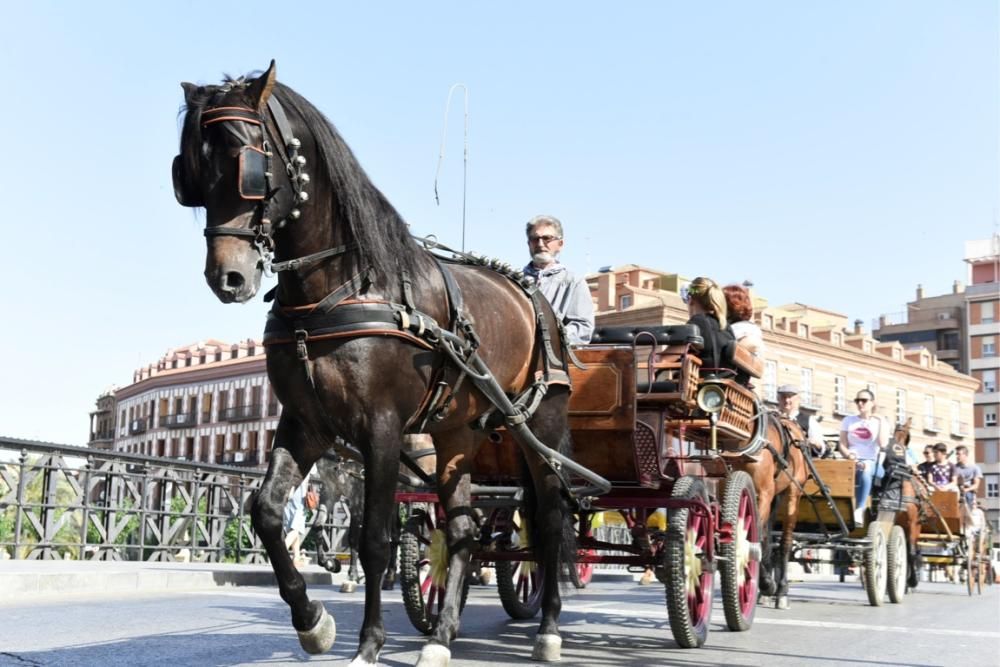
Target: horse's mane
[(374, 224)]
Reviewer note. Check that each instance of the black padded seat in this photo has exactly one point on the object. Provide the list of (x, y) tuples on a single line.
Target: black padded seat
[(667, 334)]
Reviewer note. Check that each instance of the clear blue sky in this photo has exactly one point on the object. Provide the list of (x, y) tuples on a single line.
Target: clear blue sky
[(835, 153)]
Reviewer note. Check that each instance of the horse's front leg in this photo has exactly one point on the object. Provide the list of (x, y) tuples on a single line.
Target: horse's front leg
[(381, 471), (315, 627), (767, 587), (785, 554), (454, 464)]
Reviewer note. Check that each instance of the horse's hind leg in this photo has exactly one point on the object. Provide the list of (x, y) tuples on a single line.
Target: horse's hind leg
[(785, 553), (552, 528), (315, 627)]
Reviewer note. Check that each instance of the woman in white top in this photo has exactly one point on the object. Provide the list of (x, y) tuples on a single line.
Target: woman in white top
[(862, 437), (739, 309)]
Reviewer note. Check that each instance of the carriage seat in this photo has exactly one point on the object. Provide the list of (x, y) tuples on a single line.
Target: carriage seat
[(664, 334), (738, 356), (657, 387)]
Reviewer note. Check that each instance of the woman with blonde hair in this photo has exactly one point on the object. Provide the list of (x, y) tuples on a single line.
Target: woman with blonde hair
[(707, 307)]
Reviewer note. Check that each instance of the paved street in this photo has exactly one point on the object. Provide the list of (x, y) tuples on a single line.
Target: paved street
[(613, 622)]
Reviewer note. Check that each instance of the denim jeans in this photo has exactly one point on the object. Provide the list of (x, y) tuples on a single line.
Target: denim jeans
[(863, 483)]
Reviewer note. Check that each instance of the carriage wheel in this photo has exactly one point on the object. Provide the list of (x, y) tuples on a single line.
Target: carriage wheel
[(689, 581), (519, 583), (874, 565), (583, 573), (895, 556), (423, 569), (738, 566)]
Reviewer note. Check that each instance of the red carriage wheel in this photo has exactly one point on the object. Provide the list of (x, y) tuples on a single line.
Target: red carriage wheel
[(739, 564), (689, 579), (519, 583)]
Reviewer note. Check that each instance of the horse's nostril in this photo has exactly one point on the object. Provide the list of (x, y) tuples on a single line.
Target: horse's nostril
[(234, 280)]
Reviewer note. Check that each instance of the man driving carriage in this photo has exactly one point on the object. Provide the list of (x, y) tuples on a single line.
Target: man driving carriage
[(788, 405), (568, 294)]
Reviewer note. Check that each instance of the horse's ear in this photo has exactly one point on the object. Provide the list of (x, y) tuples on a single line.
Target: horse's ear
[(190, 90), (260, 88)]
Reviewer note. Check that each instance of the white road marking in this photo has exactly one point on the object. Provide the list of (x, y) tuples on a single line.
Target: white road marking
[(833, 625)]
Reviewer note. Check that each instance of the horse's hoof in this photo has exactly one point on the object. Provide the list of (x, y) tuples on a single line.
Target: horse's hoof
[(434, 655), (349, 587), (321, 637), (765, 601), (548, 648), (485, 576), (646, 579), (781, 602), (361, 662)]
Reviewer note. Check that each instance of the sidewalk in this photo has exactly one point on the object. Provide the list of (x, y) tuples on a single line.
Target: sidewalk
[(29, 580)]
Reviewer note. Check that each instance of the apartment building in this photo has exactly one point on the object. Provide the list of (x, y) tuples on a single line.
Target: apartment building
[(209, 401), (963, 329)]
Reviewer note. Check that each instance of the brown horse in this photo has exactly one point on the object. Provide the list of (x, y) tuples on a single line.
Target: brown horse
[(780, 470), (909, 496), (371, 337)]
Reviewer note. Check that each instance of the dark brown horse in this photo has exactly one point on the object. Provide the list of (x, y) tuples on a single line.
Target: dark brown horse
[(901, 490), (370, 337), (780, 472)]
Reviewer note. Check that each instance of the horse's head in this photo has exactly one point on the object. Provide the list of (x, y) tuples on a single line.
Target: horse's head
[(240, 162)]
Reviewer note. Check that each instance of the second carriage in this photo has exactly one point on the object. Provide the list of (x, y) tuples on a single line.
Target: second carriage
[(669, 440)]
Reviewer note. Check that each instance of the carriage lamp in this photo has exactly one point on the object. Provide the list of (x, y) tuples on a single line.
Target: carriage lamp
[(711, 399)]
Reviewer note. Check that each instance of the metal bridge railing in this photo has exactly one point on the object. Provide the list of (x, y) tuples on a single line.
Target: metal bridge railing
[(59, 501)]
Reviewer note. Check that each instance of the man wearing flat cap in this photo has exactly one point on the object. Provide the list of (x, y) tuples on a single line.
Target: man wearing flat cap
[(788, 404)]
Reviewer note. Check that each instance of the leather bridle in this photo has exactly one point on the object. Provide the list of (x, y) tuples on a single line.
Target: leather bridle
[(256, 181)]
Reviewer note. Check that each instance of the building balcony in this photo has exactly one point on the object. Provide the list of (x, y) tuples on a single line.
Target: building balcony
[(240, 459), (945, 354), (99, 436), (179, 420), (932, 424), (241, 413), (960, 429), (137, 426)]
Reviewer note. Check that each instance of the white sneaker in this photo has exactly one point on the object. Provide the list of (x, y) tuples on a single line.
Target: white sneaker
[(859, 516)]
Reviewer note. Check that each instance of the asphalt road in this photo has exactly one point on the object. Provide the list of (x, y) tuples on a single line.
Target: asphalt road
[(613, 622)]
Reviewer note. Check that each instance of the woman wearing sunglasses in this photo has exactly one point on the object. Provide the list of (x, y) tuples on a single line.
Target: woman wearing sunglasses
[(862, 437)]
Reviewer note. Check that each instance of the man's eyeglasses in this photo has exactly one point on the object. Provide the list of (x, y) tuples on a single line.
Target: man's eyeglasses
[(547, 239), (860, 401)]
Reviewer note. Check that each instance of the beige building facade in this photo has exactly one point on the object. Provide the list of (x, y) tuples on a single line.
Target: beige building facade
[(209, 402)]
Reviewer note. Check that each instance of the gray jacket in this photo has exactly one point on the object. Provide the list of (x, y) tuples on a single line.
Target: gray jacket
[(570, 299)]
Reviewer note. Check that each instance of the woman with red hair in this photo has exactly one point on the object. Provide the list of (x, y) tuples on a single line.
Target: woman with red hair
[(739, 308)]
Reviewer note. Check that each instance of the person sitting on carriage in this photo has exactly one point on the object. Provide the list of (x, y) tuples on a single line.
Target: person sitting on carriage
[(968, 475), (739, 308), (942, 475), (862, 437), (788, 405), (707, 307), (568, 294)]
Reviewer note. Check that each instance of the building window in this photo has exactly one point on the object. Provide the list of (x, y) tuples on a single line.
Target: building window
[(991, 451), (929, 423), (806, 386), (900, 406), (625, 302), (840, 395), (990, 417), (873, 388), (993, 486), (989, 381), (987, 313), (956, 424), (770, 381), (989, 346)]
